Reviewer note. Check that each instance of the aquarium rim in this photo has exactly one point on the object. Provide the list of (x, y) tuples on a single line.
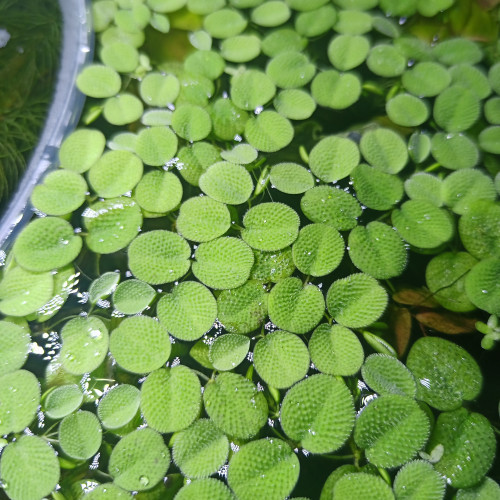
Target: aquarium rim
[(77, 48)]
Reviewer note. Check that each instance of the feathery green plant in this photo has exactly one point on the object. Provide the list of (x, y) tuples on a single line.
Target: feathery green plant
[(265, 206)]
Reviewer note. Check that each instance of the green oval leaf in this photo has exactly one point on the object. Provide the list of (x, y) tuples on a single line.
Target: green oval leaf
[(326, 417)]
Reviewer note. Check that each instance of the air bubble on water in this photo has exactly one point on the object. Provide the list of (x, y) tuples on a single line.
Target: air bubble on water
[(222, 472), (95, 462), (234, 447)]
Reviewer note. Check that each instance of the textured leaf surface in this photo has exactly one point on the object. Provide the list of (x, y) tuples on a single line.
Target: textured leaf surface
[(14, 345), (446, 374), (455, 151), (103, 286), (294, 104), (361, 485), (223, 263), (118, 406), (385, 60), (418, 480), (356, 301), (445, 277), (266, 468), (336, 90), (235, 405), (251, 88), (290, 70), (84, 344), (171, 398), (335, 350), (482, 285), (201, 449), (133, 296), (426, 79), (346, 52), (318, 249), (81, 149), (191, 122), (456, 109), (80, 435), (205, 488), (281, 359), (156, 145), (384, 149), (376, 189), (469, 447), (19, 400), (426, 187), (62, 192), (461, 189), (270, 226), (62, 401), (242, 309), (291, 178), (269, 132), (227, 183), (139, 460), (318, 412), (159, 257), (189, 311), (202, 219), (228, 351), (111, 224), (334, 158), (378, 250), (140, 344), (98, 80), (422, 224), (387, 375), (479, 229), (295, 307), (30, 468), (46, 244), (391, 429), (115, 173), (159, 192), (273, 266), (329, 205)]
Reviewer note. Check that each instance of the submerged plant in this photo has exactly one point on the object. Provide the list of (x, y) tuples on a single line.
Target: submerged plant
[(221, 281), (30, 37)]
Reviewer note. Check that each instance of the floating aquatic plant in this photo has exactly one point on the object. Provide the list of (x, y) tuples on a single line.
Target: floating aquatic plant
[(218, 275)]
